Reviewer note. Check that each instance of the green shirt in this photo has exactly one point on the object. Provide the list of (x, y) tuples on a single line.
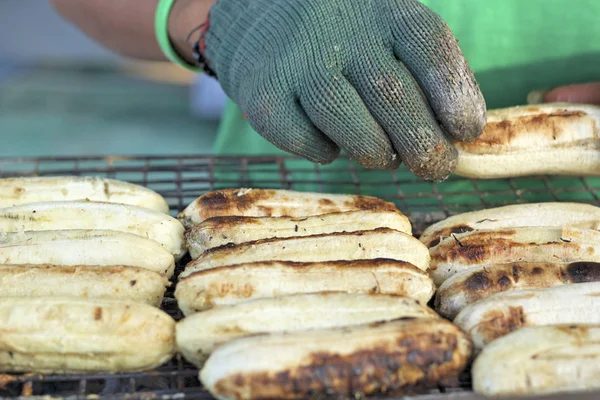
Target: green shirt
[(513, 46)]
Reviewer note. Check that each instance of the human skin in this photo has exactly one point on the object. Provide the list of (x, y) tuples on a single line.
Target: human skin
[(588, 93), (126, 27)]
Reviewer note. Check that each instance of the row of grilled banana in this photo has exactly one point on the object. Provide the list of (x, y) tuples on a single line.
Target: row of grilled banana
[(83, 264), (293, 295), (524, 282)]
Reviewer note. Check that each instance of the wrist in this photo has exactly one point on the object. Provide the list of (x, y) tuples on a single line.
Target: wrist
[(185, 18)]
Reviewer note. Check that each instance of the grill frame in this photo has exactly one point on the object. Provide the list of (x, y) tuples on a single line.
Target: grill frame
[(181, 179)]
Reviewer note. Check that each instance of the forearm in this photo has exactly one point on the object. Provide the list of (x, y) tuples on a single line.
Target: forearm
[(127, 26)]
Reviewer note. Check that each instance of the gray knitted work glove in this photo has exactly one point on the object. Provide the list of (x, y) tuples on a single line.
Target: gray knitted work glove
[(383, 80)]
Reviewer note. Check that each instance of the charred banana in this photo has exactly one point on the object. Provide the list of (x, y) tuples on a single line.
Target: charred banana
[(199, 334), (533, 244), (378, 243), (502, 313), (349, 362), (69, 335), (219, 231), (85, 247), (238, 283), (274, 203), (17, 191), (556, 139), (68, 215)]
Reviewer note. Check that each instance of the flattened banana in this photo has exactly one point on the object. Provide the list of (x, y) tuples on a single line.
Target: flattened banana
[(51, 216), (110, 282), (557, 139), (502, 313), (558, 215), (85, 247), (274, 203), (540, 360), (17, 191), (363, 245), (467, 287), (534, 244), (70, 335), (219, 231), (238, 283), (199, 334), (350, 362)]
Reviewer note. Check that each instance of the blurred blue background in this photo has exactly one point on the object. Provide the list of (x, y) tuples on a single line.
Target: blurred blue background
[(62, 94)]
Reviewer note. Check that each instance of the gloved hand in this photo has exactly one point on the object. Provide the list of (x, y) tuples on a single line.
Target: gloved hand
[(382, 79)]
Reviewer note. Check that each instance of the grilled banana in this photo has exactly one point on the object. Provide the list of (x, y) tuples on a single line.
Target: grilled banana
[(348, 362), (111, 282), (199, 334), (144, 222), (234, 284), (17, 191), (70, 335), (85, 247), (477, 283), (219, 231), (274, 203), (535, 244), (378, 243), (557, 215), (538, 360), (502, 313), (558, 139)]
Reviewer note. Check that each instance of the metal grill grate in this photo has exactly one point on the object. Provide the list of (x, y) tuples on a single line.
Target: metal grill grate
[(181, 179)]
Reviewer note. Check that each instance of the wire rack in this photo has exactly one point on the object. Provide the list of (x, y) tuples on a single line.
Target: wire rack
[(181, 179)]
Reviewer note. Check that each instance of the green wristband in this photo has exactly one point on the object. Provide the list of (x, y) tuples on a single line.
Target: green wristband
[(161, 23)]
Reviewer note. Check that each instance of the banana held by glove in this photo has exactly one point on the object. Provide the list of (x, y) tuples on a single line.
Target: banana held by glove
[(550, 214), (362, 245), (540, 360), (16, 191), (70, 335), (274, 203), (103, 282), (219, 231), (233, 284), (535, 244), (502, 313), (467, 287), (376, 92), (85, 247), (348, 362), (50, 216), (199, 334), (557, 139)]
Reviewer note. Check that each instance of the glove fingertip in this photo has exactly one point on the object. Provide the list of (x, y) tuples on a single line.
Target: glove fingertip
[(466, 122), (435, 165), (377, 162), (323, 158)]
